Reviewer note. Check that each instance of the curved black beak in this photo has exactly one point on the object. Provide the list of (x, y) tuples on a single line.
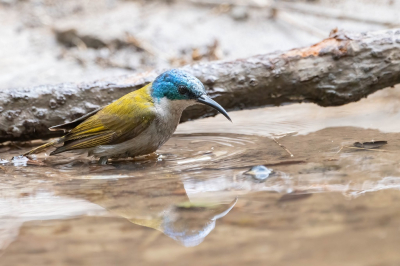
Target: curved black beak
[(210, 102)]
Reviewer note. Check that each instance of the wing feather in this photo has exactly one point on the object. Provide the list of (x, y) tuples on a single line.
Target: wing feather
[(119, 121), (70, 125)]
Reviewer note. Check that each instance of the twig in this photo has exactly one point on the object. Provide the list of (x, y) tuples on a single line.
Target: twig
[(309, 9), (314, 10), (341, 148), (285, 163), (15, 145), (357, 148), (245, 3), (301, 25), (283, 147), (130, 39)]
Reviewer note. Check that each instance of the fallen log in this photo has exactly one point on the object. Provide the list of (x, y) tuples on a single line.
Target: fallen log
[(341, 69)]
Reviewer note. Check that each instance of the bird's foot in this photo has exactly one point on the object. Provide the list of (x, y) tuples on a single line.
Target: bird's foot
[(152, 156), (103, 160)]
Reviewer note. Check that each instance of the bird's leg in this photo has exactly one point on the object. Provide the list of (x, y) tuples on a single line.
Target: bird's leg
[(103, 160), (152, 156)]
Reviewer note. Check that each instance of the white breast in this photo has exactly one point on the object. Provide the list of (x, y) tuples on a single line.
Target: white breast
[(161, 129)]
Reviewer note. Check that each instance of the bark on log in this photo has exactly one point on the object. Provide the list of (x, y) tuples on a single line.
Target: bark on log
[(341, 69)]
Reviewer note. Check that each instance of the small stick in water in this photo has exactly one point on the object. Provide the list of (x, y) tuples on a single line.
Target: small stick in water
[(283, 147), (357, 148)]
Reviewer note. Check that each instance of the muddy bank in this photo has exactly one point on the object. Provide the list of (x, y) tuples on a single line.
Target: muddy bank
[(341, 69)]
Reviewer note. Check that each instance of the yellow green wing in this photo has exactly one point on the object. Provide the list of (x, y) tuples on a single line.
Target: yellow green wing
[(119, 121)]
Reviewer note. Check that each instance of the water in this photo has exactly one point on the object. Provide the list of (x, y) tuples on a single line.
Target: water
[(194, 204)]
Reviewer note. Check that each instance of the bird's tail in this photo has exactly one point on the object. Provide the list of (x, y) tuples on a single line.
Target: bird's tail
[(44, 147)]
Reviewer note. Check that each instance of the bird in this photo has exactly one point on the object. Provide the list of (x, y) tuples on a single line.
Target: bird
[(136, 124)]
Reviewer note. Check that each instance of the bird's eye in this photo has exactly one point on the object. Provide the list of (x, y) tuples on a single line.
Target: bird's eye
[(182, 89)]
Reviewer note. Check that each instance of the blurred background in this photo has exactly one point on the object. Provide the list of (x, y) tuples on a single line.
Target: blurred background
[(50, 41)]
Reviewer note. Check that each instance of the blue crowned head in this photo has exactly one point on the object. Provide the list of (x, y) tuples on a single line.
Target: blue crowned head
[(175, 85)]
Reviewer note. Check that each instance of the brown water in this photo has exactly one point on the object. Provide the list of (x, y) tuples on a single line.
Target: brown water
[(329, 204)]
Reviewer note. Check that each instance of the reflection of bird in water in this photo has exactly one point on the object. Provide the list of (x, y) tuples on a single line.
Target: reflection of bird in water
[(137, 123), (190, 228), (160, 205)]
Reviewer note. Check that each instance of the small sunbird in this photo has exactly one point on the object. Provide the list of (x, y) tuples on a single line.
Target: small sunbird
[(135, 124)]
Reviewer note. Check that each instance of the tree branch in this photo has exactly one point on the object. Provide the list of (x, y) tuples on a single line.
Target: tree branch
[(341, 69)]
